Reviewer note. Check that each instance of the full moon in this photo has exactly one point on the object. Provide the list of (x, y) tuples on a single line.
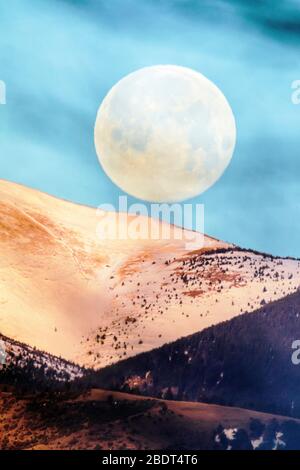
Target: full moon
[(164, 133)]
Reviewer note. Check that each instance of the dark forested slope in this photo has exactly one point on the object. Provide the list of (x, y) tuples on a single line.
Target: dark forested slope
[(243, 362)]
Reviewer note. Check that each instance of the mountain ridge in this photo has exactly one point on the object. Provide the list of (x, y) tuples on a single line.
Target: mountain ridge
[(94, 301)]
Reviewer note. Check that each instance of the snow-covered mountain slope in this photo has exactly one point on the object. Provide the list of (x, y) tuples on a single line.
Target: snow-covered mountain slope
[(95, 300), (23, 365)]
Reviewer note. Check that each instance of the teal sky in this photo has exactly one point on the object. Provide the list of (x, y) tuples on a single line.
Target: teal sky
[(59, 58)]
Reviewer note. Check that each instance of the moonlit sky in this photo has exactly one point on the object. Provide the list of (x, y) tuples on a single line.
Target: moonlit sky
[(59, 58)]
